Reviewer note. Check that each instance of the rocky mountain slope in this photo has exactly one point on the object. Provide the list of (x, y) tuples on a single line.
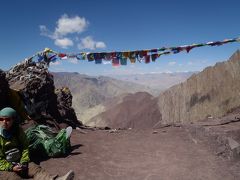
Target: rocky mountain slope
[(91, 93), (137, 110), (210, 93)]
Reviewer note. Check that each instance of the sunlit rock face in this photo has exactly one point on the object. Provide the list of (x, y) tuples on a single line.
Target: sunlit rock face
[(210, 93), (36, 89)]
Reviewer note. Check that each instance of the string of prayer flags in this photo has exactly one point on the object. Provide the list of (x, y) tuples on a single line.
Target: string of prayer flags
[(115, 62), (121, 57)]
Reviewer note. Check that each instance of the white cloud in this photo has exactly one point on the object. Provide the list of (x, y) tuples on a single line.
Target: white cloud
[(43, 28), (63, 43), (55, 63), (171, 63), (167, 72), (100, 44), (106, 62), (45, 32), (183, 71), (67, 25), (73, 61), (89, 43), (57, 69), (190, 63), (204, 61)]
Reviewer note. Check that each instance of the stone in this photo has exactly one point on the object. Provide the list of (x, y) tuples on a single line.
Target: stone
[(35, 86)]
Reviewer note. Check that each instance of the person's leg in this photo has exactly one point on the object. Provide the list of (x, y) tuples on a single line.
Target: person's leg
[(68, 176), (38, 173), (9, 175)]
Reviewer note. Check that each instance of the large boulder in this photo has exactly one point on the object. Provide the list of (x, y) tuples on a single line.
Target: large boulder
[(35, 85), (64, 105)]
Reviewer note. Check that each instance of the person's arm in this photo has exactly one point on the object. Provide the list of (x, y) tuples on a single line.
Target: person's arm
[(4, 164), (25, 146)]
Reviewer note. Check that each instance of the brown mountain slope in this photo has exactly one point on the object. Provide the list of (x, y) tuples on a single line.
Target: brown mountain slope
[(212, 92), (89, 93), (94, 95), (89, 113), (137, 110)]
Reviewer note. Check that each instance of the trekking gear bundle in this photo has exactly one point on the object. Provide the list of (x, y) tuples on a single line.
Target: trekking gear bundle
[(42, 139)]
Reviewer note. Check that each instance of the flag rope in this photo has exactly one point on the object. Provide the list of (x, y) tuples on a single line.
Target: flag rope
[(121, 57)]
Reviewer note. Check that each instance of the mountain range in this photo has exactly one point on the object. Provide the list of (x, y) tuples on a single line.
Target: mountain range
[(212, 93), (104, 101), (94, 95), (157, 81)]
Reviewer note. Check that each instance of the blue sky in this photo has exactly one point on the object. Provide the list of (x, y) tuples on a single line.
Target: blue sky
[(67, 26)]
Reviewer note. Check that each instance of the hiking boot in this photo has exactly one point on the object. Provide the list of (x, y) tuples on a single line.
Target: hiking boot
[(68, 176)]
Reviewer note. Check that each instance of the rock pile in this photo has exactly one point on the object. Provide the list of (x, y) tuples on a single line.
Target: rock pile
[(33, 85)]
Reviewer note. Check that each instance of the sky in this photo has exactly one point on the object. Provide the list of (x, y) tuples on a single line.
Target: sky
[(73, 26)]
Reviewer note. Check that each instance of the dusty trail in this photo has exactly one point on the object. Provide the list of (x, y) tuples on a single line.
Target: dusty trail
[(169, 153)]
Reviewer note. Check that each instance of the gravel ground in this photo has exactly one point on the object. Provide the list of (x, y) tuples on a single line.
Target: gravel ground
[(162, 154)]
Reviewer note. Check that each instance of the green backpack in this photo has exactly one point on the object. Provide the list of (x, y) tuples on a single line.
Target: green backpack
[(43, 140)]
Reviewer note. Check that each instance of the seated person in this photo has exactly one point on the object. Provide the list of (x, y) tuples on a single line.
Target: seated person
[(14, 152)]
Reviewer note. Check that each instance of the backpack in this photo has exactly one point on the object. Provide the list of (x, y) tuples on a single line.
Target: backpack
[(42, 139)]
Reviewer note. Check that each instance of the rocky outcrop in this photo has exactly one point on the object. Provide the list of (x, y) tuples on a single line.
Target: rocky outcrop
[(33, 86), (64, 106), (90, 92), (211, 93)]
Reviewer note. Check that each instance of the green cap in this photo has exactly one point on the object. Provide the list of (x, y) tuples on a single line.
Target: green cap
[(8, 112)]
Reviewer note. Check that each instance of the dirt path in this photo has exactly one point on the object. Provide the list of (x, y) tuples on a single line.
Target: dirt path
[(170, 153)]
